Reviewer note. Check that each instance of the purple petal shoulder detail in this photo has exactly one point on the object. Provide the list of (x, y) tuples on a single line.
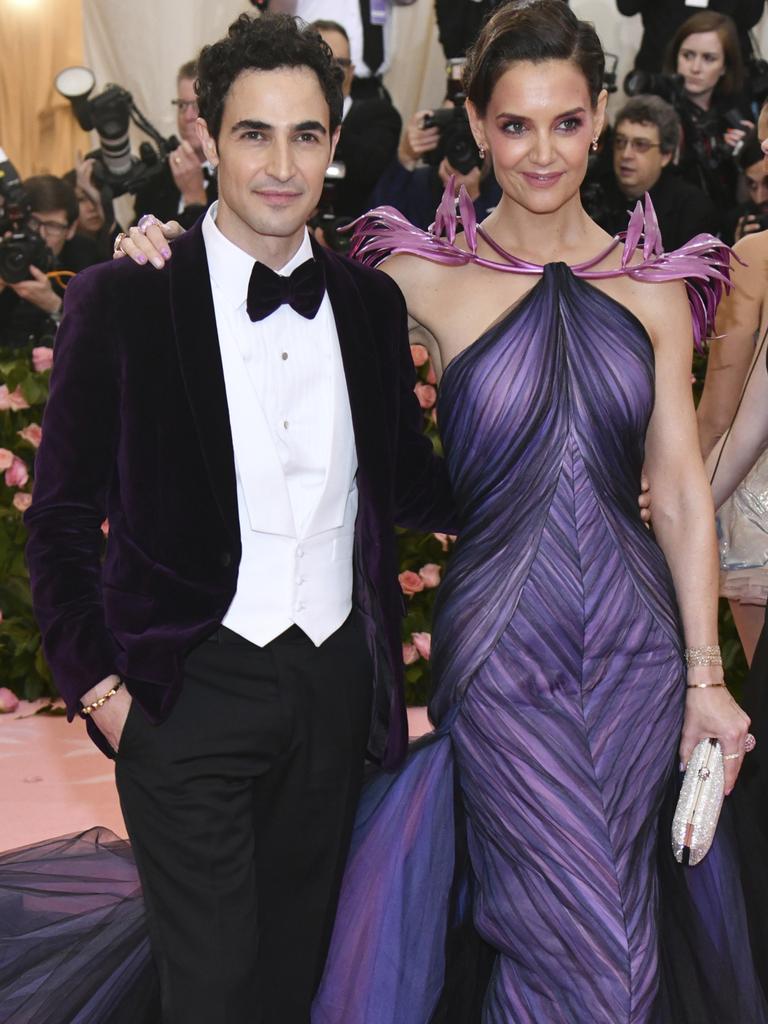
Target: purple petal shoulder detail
[(704, 263)]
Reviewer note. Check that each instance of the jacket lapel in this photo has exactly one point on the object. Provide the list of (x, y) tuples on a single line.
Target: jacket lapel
[(200, 361), (361, 368)]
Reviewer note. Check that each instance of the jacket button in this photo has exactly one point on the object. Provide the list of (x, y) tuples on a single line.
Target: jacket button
[(226, 558)]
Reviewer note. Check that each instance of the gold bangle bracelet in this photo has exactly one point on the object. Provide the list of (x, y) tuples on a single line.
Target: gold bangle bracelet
[(101, 701)]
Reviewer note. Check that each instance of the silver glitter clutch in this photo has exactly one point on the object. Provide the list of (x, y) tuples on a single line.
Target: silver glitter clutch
[(699, 805)]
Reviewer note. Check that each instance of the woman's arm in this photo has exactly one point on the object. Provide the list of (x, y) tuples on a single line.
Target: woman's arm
[(739, 449), (683, 519), (732, 349)]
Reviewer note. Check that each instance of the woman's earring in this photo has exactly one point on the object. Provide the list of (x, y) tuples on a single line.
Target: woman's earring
[(594, 145), (481, 151)]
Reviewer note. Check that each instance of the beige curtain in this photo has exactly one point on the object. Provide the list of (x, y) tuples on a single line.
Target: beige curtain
[(37, 39)]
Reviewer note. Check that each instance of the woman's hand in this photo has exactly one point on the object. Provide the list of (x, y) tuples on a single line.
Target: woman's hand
[(148, 243), (712, 712)]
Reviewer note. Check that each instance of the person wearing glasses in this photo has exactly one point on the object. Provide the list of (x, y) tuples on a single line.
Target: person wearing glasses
[(638, 159), (186, 186), (30, 310), (370, 131)]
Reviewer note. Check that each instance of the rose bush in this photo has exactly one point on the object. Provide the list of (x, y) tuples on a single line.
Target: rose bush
[(23, 392)]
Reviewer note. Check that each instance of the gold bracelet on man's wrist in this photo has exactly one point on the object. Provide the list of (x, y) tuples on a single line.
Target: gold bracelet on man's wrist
[(88, 709)]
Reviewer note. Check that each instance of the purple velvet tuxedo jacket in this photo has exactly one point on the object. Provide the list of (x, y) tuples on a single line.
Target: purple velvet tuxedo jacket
[(137, 430)]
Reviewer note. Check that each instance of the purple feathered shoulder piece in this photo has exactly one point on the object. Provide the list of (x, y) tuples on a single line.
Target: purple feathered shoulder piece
[(703, 263)]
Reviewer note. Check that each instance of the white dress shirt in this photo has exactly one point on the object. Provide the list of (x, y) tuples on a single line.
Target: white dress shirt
[(294, 451)]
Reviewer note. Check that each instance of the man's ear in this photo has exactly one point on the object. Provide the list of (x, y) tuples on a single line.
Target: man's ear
[(665, 158), (207, 141), (71, 231), (334, 143)]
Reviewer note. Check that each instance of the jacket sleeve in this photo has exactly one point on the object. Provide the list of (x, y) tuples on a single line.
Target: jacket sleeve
[(73, 471), (423, 497)]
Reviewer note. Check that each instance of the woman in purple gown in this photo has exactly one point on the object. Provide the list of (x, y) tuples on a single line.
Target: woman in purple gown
[(560, 625), (558, 640)]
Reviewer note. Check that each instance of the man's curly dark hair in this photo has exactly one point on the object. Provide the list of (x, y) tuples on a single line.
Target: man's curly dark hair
[(264, 44)]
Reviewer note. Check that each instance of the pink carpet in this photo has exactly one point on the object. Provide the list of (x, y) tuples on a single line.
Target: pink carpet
[(54, 781)]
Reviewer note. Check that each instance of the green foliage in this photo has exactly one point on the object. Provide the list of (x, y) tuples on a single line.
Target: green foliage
[(23, 392)]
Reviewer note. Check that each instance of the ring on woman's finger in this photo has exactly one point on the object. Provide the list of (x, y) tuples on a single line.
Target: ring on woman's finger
[(146, 222), (749, 743), (117, 246), (732, 757)]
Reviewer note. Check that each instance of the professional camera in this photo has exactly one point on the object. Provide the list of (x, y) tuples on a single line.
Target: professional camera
[(670, 87), (110, 113), (20, 246), (325, 217), (456, 143)]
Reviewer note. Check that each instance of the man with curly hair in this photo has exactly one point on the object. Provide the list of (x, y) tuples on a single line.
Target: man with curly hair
[(245, 419)]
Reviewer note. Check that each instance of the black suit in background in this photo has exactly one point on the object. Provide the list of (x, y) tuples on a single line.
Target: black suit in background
[(683, 210), (459, 21), (662, 18), (161, 196), (369, 138)]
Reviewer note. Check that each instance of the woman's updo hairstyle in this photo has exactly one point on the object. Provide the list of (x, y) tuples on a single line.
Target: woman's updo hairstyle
[(536, 31)]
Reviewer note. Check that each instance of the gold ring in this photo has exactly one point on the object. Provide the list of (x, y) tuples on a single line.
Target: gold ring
[(732, 757), (117, 246)]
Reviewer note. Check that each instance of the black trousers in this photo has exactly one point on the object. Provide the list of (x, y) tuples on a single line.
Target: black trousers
[(240, 809)]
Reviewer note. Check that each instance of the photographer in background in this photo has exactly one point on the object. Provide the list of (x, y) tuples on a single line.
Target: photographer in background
[(96, 214), (186, 187), (640, 151), (370, 129), (30, 309), (710, 100), (662, 18), (415, 189), (752, 215)]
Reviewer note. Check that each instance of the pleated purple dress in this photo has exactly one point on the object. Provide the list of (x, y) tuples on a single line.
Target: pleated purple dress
[(558, 659)]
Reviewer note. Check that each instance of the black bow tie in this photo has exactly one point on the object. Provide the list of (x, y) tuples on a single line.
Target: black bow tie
[(303, 290)]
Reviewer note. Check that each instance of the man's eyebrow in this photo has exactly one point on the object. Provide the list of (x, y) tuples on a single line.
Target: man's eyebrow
[(248, 125)]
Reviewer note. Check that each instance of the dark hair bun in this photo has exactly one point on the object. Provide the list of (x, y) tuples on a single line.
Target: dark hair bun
[(536, 31)]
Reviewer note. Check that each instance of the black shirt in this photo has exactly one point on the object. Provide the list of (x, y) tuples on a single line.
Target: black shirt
[(23, 324), (682, 209)]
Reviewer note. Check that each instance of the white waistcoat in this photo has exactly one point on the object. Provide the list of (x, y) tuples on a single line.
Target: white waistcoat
[(297, 506)]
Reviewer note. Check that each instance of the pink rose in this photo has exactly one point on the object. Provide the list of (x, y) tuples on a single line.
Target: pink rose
[(410, 654), (105, 527), (42, 358), (33, 433), (22, 501), (6, 459), (426, 395), (431, 375), (12, 399), (17, 475), (410, 582), (423, 644), (419, 355), (8, 700), (443, 538), (430, 574)]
